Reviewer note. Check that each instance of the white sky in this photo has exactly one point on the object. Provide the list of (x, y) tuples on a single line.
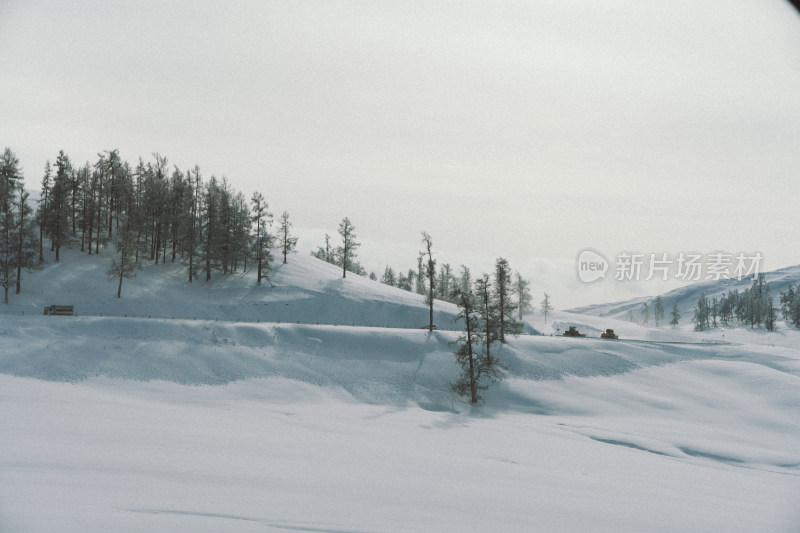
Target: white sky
[(527, 130)]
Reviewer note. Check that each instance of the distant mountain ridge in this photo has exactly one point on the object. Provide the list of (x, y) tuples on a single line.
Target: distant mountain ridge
[(686, 297)]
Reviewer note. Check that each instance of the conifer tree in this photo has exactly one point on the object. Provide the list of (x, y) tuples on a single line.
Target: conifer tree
[(25, 238), (326, 253), (444, 283), (676, 316), (429, 268), (477, 369), (193, 225), (790, 305), (124, 239), (701, 313), (547, 307), (467, 355), (388, 277), (419, 285), (10, 177), (658, 309), (262, 241), (523, 292), (287, 242), (346, 253), (506, 307), (59, 206), (488, 313), (43, 210), (464, 281)]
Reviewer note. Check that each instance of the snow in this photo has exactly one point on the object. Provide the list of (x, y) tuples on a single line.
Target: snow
[(687, 296), (320, 404)]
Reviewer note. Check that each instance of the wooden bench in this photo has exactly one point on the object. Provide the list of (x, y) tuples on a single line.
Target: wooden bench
[(59, 310)]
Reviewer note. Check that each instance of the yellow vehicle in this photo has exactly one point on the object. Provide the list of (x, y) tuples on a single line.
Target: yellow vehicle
[(573, 332), (609, 334)]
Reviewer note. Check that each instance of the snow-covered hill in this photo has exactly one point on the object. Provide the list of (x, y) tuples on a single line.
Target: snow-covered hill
[(305, 290), (210, 408), (686, 297)]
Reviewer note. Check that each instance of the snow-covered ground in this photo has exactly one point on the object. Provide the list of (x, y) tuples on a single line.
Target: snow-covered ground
[(320, 404)]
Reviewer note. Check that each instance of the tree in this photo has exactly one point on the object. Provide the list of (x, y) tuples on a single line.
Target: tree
[(467, 383), (25, 238), (59, 205), (43, 211), (506, 308), (701, 313), (645, 313), (714, 311), (770, 317), (419, 285), (125, 241), (429, 273), (523, 292), (444, 289), (546, 306), (192, 222), (676, 316), (287, 242), (476, 368), (790, 305), (10, 177), (213, 241), (326, 253), (658, 311), (346, 253), (262, 242), (464, 280), (388, 277), (487, 312)]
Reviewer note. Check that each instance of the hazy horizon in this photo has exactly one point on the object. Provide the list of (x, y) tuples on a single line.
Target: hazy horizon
[(531, 131)]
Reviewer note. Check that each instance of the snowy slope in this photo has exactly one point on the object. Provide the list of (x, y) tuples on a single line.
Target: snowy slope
[(304, 290), (225, 414)]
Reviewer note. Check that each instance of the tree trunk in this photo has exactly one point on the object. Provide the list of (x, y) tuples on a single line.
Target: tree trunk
[(121, 273)]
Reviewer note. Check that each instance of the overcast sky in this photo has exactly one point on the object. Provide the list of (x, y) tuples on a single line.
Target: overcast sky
[(528, 130)]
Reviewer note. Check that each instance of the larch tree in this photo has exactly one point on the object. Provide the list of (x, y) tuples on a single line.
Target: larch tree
[(676, 316), (506, 307), (477, 368), (467, 355), (645, 313), (125, 239), (192, 222), (388, 277), (262, 239), (523, 292), (701, 313), (429, 268), (658, 309), (10, 177), (326, 253), (464, 280), (488, 313), (43, 210), (346, 253), (59, 205), (444, 283), (546, 306), (286, 240), (25, 237)]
